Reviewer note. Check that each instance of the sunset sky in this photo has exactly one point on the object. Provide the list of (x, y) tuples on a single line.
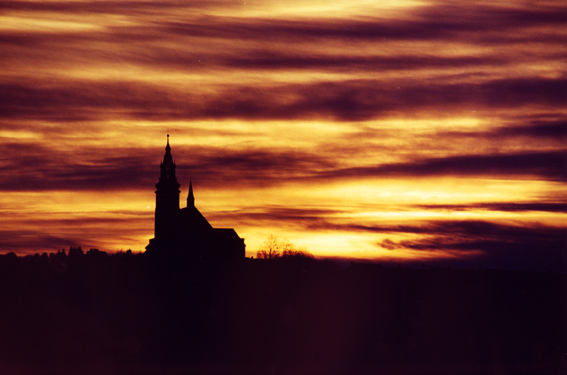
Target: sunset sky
[(387, 130)]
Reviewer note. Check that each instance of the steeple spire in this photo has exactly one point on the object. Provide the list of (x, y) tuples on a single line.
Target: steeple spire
[(168, 158), (190, 197), (167, 195)]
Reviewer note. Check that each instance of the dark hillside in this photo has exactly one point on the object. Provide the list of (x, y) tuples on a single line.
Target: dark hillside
[(129, 313)]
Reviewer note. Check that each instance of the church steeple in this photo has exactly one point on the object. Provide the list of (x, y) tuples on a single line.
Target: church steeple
[(167, 166), (190, 197), (167, 194)]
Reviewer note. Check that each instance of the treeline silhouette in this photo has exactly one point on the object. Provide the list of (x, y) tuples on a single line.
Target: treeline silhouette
[(93, 312)]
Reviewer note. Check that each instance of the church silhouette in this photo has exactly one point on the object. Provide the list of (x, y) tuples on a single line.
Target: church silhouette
[(184, 231)]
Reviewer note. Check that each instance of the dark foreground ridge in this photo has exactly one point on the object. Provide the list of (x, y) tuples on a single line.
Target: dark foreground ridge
[(93, 313)]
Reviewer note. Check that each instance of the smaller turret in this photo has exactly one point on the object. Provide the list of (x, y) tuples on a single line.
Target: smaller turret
[(190, 197)]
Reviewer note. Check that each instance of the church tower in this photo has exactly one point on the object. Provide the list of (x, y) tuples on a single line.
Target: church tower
[(167, 198)]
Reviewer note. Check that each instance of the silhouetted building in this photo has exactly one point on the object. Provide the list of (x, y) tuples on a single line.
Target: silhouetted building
[(186, 231)]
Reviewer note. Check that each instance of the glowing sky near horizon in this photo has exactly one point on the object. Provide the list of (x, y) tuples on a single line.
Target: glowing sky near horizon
[(421, 130)]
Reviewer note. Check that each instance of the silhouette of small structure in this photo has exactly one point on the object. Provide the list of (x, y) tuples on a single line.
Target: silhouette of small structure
[(185, 232)]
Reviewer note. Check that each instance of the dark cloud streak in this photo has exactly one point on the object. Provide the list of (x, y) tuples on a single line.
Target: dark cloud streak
[(106, 7), (29, 166), (343, 101), (556, 207), (531, 247), (538, 129), (546, 165), (22, 241), (427, 23)]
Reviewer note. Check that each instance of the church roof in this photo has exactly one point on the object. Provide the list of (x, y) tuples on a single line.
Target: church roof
[(190, 219)]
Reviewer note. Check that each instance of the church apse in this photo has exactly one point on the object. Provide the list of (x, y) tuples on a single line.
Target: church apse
[(185, 231)]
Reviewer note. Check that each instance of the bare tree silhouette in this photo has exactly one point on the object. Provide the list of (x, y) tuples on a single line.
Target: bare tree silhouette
[(274, 248)]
